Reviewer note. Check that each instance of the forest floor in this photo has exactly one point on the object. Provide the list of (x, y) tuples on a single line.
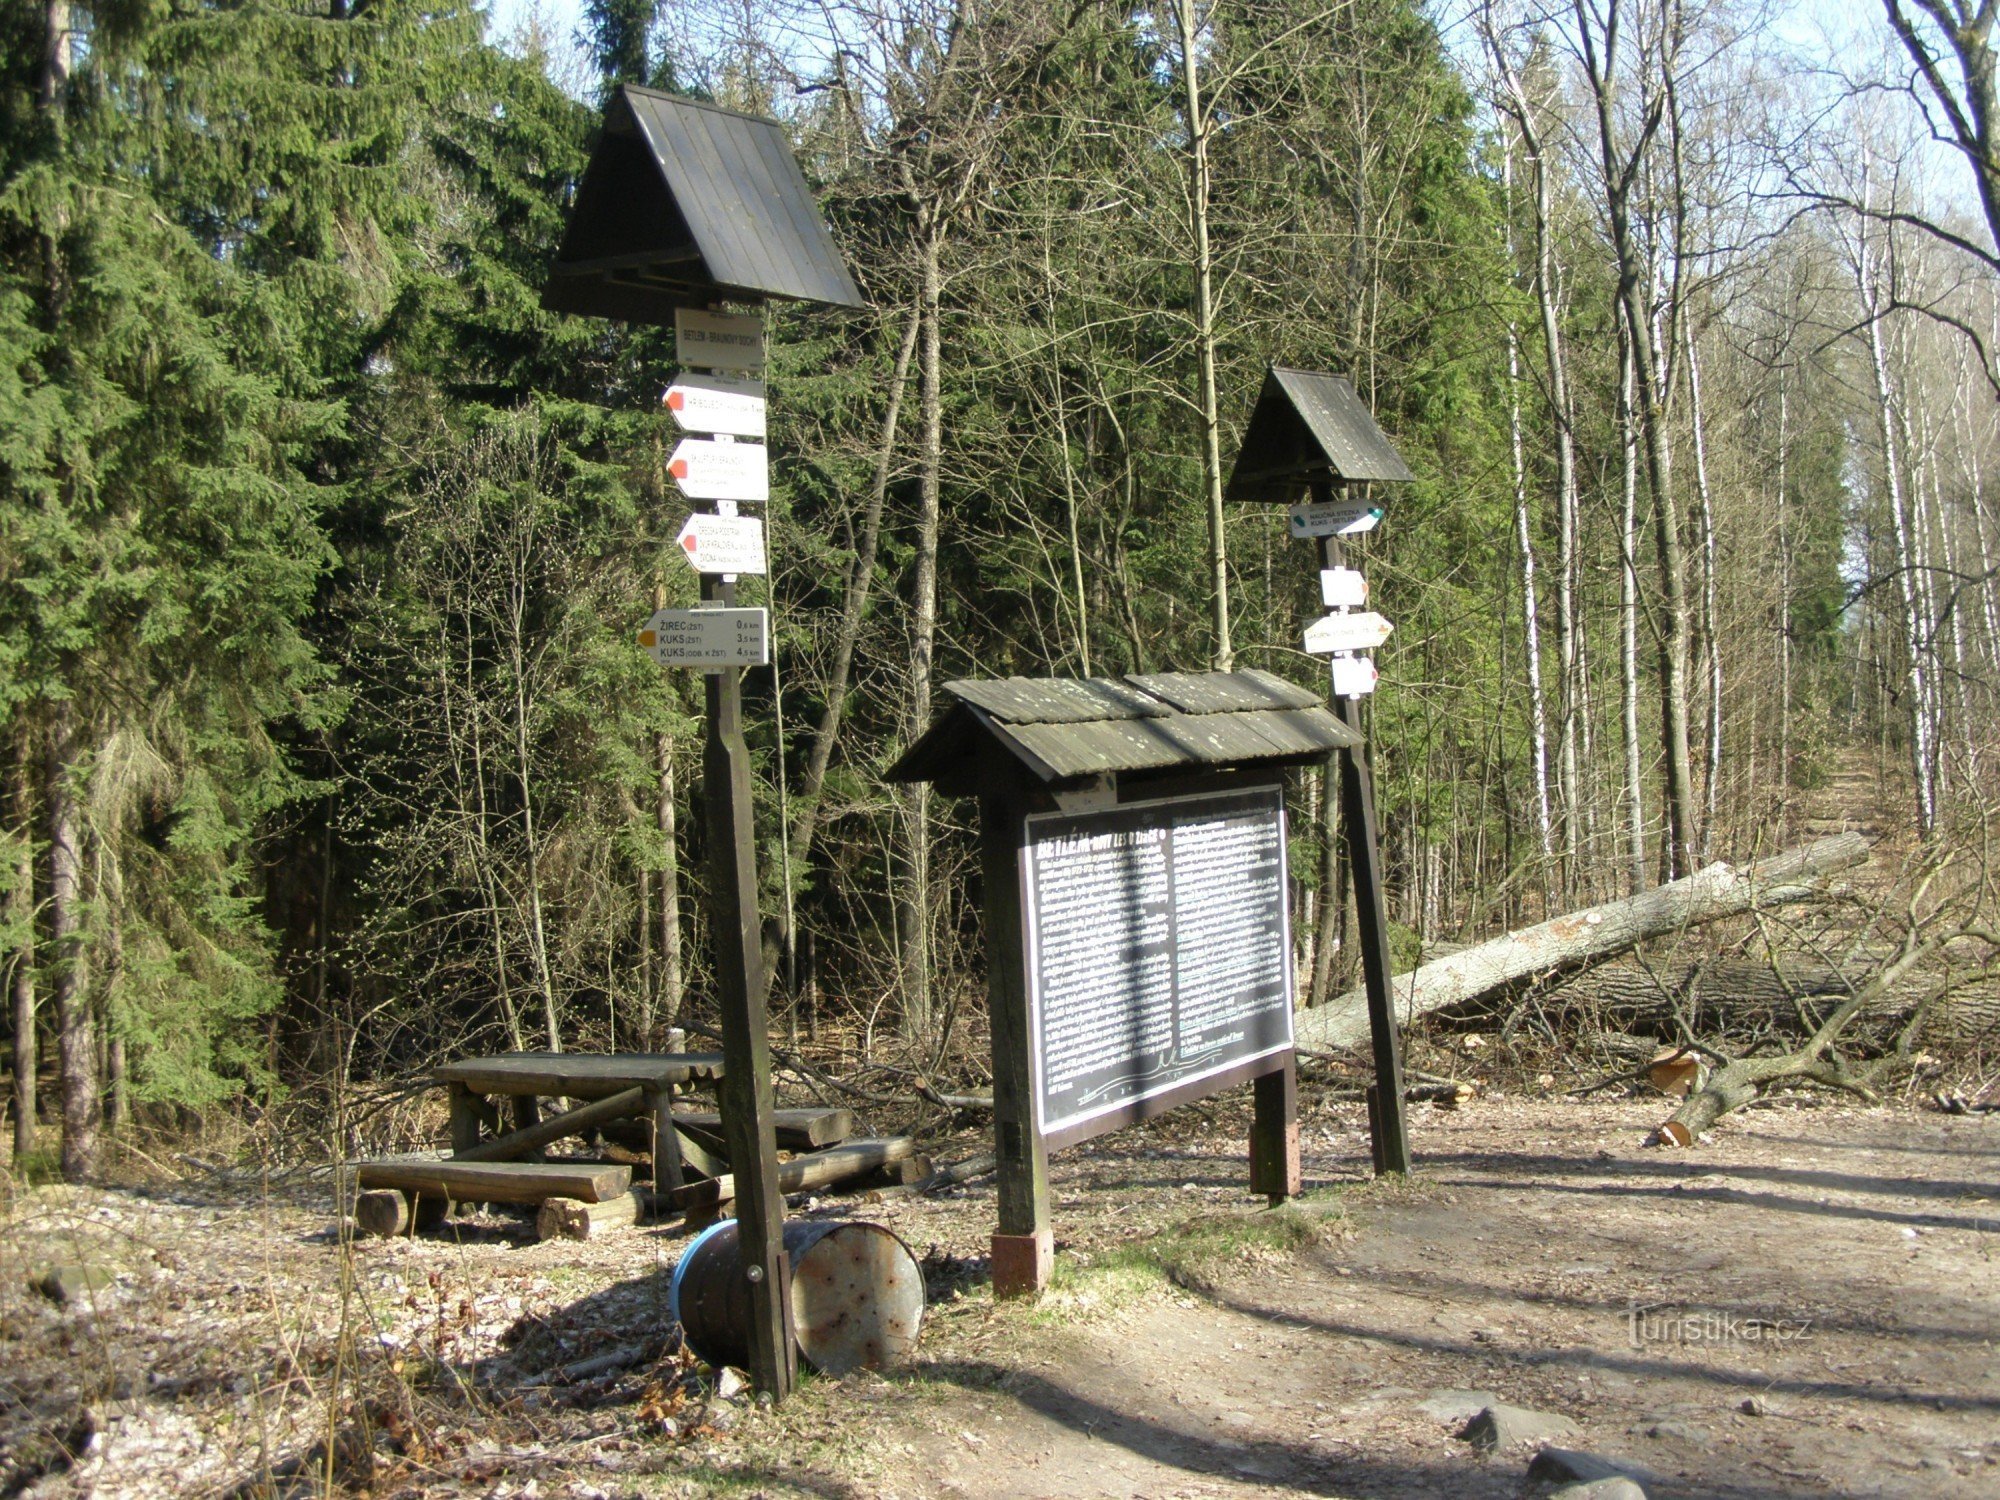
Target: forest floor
[(1806, 1304)]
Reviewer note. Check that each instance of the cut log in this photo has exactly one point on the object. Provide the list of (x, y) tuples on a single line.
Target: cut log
[(1585, 937), (497, 1181), (798, 1129), (382, 1211), (519, 1143), (573, 1219), (802, 1174)]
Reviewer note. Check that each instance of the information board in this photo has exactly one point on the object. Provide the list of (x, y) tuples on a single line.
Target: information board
[(1159, 953)]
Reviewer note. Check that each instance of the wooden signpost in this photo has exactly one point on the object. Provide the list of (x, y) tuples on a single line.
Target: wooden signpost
[(1311, 432), (684, 206)]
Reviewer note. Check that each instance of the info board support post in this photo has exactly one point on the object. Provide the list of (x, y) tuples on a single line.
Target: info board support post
[(748, 1124), (1024, 1244), (1388, 1130)]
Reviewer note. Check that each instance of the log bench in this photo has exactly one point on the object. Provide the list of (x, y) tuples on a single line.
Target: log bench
[(398, 1192)]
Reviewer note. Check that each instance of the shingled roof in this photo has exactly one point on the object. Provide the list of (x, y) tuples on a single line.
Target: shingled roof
[(1065, 728), (1309, 426), (684, 203)]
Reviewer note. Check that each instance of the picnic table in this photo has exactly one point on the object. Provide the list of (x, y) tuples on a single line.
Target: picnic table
[(614, 1085)]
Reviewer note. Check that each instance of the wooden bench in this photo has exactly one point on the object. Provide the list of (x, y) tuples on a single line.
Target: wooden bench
[(397, 1191)]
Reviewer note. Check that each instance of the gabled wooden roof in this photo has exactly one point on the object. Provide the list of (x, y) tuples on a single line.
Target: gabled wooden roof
[(1308, 426), (685, 203), (1065, 728)]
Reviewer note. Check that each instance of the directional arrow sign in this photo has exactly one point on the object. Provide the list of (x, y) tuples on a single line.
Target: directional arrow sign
[(1343, 588), (1357, 632), (708, 639), (1334, 518), (719, 341), (721, 471), (723, 544), (1353, 676), (717, 403)]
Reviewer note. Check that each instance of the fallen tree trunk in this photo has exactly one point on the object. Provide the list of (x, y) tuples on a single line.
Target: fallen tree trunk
[(1586, 937)]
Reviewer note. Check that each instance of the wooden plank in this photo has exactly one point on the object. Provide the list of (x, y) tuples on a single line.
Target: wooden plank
[(802, 1174), (496, 1181), (520, 1143), (798, 1129), (695, 1151), (579, 1075)]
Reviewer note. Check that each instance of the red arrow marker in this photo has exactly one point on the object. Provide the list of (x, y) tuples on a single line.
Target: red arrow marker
[(678, 468), (676, 399), (689, 543)]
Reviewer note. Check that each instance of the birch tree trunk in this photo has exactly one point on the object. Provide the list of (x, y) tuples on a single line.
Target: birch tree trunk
[(1892, 481), (1628, 618), (1622, 160), (1196, 122), (1525, 539), (1710, 615), (914, 905)]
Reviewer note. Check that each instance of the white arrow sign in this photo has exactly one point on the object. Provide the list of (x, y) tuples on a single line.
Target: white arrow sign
[(1343, 588), (708, 470), (719, 341), (1334, 518), (723, 544), (710, 640), (1358, 632), (717, 403), (1354, 676)]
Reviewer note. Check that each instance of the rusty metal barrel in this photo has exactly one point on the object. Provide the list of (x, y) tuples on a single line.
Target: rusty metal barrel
[(857, 1296)]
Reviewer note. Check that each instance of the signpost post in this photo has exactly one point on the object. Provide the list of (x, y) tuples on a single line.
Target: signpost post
[(1310, 432), (748, 1126), (663, 232), (1388, 1132)]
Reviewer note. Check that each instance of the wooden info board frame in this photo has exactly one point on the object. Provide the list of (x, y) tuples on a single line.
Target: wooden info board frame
[(1158, 955), (1076, 759)]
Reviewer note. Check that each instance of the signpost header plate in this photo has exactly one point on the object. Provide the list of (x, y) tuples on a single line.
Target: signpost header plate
[(719, 341)]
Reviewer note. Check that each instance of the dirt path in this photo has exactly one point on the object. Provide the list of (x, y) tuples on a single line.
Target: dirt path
[(1840, 1262), (1549, 1262)]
